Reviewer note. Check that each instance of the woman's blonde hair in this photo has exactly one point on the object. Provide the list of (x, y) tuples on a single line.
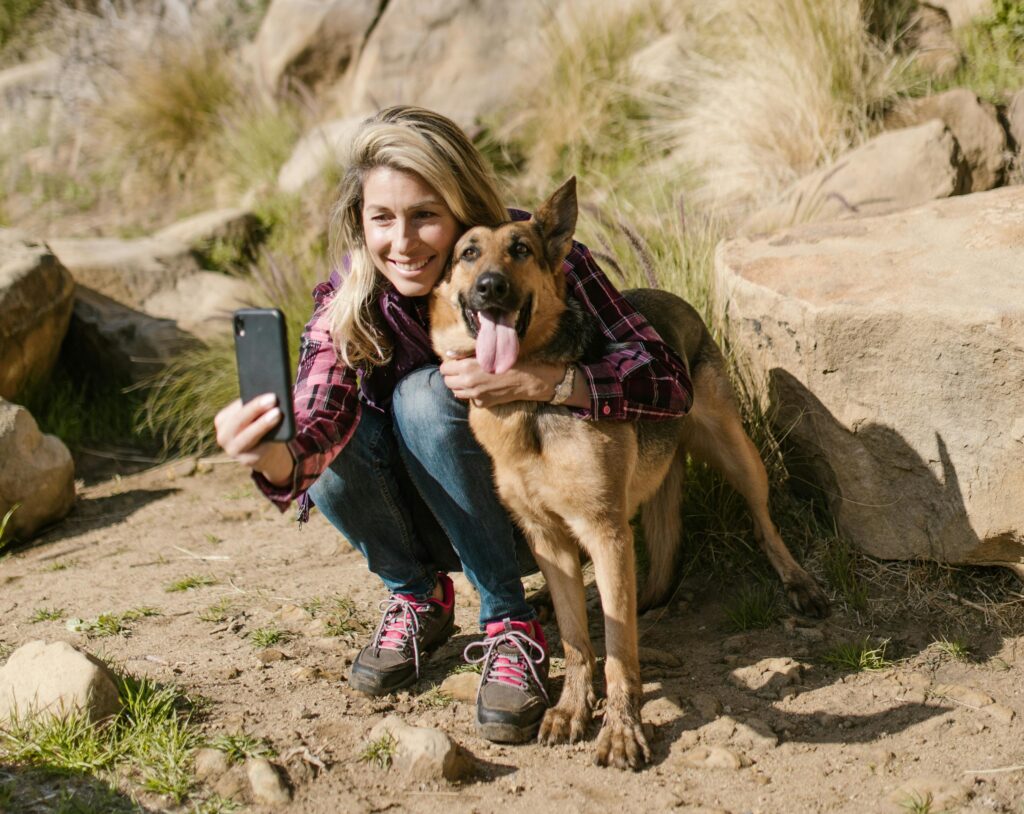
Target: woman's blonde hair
[(433, 147)]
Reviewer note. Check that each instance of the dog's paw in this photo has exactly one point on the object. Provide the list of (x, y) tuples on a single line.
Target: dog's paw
[(806, 597), (563, 725), (621, 743)]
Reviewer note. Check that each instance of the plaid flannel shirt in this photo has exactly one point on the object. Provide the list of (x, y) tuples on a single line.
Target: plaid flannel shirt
[(641, 377)]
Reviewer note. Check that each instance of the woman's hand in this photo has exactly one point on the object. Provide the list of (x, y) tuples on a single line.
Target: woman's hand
[(239, 430), (528, 382)]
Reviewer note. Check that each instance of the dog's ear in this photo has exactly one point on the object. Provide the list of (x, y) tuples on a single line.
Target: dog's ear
[(556, 222)]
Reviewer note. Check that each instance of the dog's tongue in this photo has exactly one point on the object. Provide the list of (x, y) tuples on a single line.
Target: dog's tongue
[(497, 344)]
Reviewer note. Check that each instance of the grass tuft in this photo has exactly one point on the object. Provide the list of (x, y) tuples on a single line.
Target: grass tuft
[(190, 582), (956, 648), (434, 698), (46, 615), (381, 752), (858, 656), (239, 746), (263, 637), (219, 611), (111, 624), (756, 607)]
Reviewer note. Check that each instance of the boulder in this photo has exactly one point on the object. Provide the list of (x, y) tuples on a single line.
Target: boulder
[(56, 679), (475, 65), (892, 348), (234, 226), (930, 36), (423, 753), (35, 307), (265, 781), (36, 473), (975, 125), (127, 344), (963, 12), (895, 170), (129, 271), (1015, 121), (311, 40), (322, 148), (202, 303)]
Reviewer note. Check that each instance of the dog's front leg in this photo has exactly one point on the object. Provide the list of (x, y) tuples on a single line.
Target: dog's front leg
[(559, 561), (621, 742)]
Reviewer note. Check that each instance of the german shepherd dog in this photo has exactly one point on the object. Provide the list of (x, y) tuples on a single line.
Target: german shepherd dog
[(574, 484)]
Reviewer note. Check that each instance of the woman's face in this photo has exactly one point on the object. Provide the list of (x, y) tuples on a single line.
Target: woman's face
[(408, 228)]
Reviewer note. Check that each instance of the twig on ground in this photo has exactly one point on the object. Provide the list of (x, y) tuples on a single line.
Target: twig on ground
[(201, 556)]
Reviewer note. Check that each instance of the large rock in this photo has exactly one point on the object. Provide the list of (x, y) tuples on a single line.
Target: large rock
[(930, 35), (1015, 120), (322, 149), (35, 306), (202, 303), (975, 125), (36, 473), (311, 40), (129, 271), (56, 679), (893, 348), (126, 344), (475, 63), (892, 171), (963, 12), (234, 226)]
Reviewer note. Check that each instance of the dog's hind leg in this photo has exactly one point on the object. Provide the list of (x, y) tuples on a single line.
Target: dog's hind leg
[(662, 524), (717, 438), (621, 742), (559, 561)]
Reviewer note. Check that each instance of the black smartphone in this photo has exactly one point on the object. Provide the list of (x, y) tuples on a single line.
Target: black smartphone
[(261, 350)]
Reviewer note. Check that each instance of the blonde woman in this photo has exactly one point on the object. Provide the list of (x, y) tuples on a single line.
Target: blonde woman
[(383, 446)]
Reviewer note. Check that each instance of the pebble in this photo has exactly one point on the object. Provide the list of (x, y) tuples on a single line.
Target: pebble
[(210, 764), (184, 468), (228, 673), (662, 658), (293, 614), (272, 654), (266, 783), (461, 686), (707, 705), (715, 757), (424, 753)]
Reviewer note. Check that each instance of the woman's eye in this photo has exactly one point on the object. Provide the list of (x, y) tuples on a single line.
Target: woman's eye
[(425, 215), (381, 218)]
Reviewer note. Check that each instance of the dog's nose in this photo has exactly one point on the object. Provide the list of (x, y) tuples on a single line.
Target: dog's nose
[(492, 286)]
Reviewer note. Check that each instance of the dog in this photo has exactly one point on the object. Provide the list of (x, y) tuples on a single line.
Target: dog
[(574, 484)]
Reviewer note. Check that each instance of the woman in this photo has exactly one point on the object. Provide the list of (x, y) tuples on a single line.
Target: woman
[(383, 446)]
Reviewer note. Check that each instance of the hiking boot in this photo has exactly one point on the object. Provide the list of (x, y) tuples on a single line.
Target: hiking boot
[(513, 693), (409, 629)]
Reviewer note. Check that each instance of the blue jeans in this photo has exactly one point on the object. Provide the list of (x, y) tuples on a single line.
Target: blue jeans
[(414, 493)]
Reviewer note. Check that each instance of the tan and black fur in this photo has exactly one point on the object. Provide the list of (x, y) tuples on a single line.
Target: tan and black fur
[(575, 484)]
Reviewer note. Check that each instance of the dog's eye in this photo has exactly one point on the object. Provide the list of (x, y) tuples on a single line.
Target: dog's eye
[(470, 253), (520, 250)]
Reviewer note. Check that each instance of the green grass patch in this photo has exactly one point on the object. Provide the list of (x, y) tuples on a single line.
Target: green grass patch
[(858, 656), (4, 523), (756, 607), (380, 752), (111, 624), (219, 611), (955, 648), (190, 582), (434, 698), (476, 667), (148, 744), (839, 561), (46, 615), (264, 637), (239, 746)]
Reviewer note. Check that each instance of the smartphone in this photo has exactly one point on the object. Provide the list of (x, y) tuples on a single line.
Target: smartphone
[(261, 350)]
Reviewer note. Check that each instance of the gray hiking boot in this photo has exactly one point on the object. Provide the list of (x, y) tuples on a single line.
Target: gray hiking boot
[(409, 629), (513, 692)]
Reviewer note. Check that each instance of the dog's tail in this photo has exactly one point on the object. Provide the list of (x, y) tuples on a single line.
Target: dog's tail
[(662, 524)]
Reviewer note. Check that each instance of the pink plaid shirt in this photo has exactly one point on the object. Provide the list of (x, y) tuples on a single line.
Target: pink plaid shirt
[(640, 377)]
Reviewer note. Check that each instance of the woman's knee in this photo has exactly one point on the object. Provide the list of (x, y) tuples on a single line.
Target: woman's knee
[(423, 404)]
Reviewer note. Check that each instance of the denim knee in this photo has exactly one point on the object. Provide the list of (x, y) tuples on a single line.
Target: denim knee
[(422, 405)]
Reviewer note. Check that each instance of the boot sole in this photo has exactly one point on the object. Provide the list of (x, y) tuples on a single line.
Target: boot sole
[(507, 733)]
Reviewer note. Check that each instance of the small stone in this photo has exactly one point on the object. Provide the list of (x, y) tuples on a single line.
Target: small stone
[(662, 710), (715, 757), (1000, 712), (968, 696), (268, 787), (661, 658), (293, 614), (461, 686), (232, 785), (228, 673), (424, 753), (185, 468), (211, 764), (272, 654), (719, 731), (306, 674), (707, 705), (768, 675)]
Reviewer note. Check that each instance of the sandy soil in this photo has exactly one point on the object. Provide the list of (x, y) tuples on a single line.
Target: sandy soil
[(920, 735)]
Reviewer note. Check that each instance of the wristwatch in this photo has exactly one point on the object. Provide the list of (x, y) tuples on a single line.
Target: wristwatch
[(564, 388)]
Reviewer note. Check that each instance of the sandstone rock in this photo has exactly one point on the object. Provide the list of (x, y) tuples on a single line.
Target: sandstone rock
[(895, 170), (893, 350), (201, 303), (423, 753), (769, 675), (312, 41), (125, 343), (56, 679), (267, 786), (35, 307), (1015, 120), (930, 36), (475, 66), (233, 785), (210, 764), (36, 472), (462, 687), (235, 226), (129, 271), (975, 125), (715, 757), (323, 148)]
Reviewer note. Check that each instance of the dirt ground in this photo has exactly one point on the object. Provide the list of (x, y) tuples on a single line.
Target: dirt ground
[(782, 730)]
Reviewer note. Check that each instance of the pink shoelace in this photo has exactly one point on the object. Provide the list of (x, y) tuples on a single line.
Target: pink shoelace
[(399, 625), (512, 668)]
